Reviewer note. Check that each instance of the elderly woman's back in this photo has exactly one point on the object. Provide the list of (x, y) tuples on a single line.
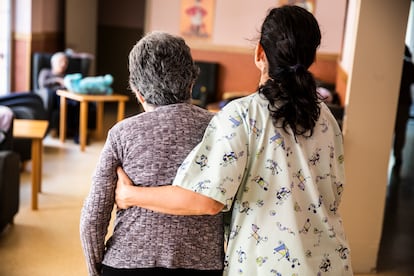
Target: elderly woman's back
[(150, 147)]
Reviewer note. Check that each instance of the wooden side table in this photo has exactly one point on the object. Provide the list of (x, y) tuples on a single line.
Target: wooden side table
[(83, 120), (35, 130)]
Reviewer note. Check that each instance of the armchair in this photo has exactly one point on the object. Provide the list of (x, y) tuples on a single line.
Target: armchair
[(24, 105), (77, 64), (9, 180), (205, 88), (42, 60)]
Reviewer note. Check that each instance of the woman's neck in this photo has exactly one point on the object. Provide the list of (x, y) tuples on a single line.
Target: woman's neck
[(148, 107)]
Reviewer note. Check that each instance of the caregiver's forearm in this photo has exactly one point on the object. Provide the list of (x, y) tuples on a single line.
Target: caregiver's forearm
[(173, 200)]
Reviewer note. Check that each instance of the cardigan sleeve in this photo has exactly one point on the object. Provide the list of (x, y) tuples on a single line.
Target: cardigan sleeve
[(97, 208)]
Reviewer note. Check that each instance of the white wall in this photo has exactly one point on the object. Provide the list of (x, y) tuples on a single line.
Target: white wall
[(349, 35), (22, 23), (5, 46), (409, 39)]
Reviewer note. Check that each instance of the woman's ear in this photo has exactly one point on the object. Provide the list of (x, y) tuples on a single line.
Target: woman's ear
[(260, 57), (262, 64), (147, 107), (140, 97)]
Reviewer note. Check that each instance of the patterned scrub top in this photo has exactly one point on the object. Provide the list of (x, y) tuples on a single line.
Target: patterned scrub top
[(282, 193)]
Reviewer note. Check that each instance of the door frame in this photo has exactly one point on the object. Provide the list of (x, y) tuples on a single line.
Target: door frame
[(5, 46)]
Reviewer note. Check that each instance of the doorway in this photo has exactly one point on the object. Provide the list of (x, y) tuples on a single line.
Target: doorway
[(5, 46), (120, 26)]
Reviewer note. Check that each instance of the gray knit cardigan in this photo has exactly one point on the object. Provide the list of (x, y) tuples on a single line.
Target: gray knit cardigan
[(150, 147)]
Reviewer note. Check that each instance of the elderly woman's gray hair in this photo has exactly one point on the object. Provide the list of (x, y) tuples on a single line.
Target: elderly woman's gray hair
[(161, 69)]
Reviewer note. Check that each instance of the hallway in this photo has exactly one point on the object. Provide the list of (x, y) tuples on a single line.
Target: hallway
[(396, 250)]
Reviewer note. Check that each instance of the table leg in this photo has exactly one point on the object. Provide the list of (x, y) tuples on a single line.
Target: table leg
[(40, 160), (36, 170), (99, 119), (62, 120), (83, 124), (121, 110)]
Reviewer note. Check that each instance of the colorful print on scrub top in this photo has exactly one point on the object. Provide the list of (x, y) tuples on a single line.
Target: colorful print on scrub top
[(282, 192)]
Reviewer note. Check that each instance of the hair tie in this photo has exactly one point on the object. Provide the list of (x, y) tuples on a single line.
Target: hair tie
[(297, 67)]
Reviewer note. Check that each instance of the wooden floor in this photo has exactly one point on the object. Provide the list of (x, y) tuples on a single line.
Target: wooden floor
[(397, 244)]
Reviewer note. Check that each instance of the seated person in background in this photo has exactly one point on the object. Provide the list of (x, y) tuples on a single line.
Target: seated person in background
[(6, 119), (53, 79)]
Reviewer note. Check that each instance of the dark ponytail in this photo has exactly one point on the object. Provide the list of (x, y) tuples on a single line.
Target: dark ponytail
[(290, 36)]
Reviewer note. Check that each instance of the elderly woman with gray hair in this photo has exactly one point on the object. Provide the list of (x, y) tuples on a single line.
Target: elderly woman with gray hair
[(150, 147)]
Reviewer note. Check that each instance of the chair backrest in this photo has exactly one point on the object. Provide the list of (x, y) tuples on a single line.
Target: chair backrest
[(25, 105), (6, 135), (205, 87), (42, 60)]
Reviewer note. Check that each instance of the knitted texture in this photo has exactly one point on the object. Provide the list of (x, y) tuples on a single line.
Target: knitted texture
[(150, 147)]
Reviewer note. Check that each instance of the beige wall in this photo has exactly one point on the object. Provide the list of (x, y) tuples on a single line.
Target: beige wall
[(43, 20), (236, 25), (236, 21), (81, 26), (36, 16), (37, 26)]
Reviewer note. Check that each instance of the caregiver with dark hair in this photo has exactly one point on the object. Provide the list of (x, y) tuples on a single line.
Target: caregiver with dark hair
[(273, 160)]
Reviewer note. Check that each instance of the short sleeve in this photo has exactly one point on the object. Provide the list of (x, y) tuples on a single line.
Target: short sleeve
[(216, 166)]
